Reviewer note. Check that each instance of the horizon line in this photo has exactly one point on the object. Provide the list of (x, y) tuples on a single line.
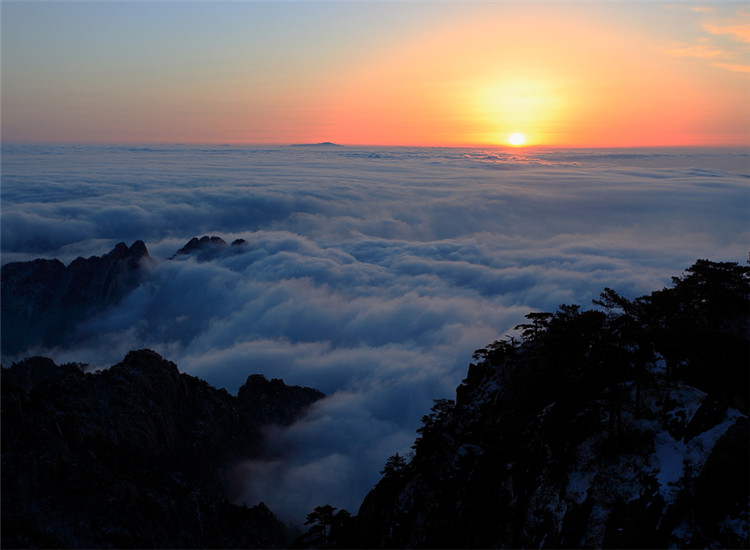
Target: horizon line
[(327, 143)]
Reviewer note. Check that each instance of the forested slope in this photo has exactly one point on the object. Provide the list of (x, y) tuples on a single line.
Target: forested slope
[(620, 426)]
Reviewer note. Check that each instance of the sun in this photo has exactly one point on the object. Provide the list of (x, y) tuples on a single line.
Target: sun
[(516, 139)]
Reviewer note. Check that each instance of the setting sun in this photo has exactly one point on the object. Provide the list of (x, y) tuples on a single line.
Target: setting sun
[(516, 139), (588, 74)]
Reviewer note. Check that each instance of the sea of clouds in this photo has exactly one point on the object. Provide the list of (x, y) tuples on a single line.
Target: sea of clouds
[(369, 273)]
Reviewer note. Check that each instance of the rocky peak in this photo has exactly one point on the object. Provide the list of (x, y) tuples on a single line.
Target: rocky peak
[(134, 253), (149, 360), (43, 301), (138, 248), (207, 248), (622, 428), (272, 401), (136, 455), (119, 252), (204, 245), (35, 370)]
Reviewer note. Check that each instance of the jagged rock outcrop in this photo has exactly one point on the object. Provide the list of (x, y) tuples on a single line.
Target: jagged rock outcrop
[(43, 300), (624, 427), (133, 456), (205, 245), (205, 248), (272, 401)]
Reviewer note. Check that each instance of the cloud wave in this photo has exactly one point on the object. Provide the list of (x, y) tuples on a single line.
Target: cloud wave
[(371, 274)]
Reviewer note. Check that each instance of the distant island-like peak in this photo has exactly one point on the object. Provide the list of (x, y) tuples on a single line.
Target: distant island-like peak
[(321, 144)]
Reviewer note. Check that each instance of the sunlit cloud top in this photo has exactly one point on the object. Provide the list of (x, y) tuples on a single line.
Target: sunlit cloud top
[(447, 73)]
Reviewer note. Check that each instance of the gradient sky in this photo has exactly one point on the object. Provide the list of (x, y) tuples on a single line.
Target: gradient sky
[(418, 73)]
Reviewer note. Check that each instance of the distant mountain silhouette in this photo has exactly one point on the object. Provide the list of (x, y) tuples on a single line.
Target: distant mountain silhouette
[(43, 301), (205, 248), (196, 245), (321, 144)]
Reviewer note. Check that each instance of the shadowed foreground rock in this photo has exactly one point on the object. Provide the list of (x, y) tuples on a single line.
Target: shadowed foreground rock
[(624, 426), (133, 456)]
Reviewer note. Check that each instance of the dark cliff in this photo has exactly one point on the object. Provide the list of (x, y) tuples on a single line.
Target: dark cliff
[(623, 427), (43, 301), (133, 456)]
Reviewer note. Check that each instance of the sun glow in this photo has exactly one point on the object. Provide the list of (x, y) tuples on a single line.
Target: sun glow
[(559, 88), (505, 105), (516, 139)]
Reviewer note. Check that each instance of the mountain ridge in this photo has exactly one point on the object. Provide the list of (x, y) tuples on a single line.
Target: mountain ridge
[(622, 427), (43, 301), (137, 455)]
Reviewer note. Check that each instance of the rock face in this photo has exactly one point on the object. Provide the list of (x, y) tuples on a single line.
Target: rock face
[(622, 428), (133, 456), (206, 248), (272, 401), (43, 301)]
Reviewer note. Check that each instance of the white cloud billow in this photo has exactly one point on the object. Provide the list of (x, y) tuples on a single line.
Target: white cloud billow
[(369, 274)]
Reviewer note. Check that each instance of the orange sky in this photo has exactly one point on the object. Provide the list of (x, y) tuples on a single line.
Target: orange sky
[(447, 74), (565, 80)]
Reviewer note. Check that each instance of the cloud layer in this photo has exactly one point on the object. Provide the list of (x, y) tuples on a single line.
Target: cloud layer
[(371, 274)]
